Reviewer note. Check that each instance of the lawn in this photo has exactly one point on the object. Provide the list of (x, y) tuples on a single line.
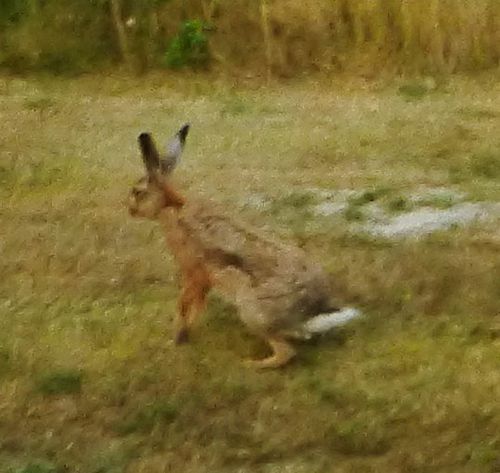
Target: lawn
[(90, 380)]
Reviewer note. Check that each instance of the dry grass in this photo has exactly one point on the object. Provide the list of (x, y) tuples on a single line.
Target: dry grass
[(90, 381), (285, 37), (363, 36)]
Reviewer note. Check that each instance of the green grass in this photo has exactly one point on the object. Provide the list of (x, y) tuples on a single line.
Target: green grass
[(90, 379), (60, 382), (486, 165), (414, 91), (353, 213), (37, 467), (149, 417), (398, 204), (370, 196)]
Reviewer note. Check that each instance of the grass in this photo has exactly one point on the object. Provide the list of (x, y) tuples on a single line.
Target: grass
[(353, 213), (398, 204), (37, 467), (486, 165), (60, 382), (89, 377), (413, 91), (149, 417), (438, 201)]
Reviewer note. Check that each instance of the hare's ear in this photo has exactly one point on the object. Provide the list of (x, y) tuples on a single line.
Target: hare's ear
[(150, 154), (171, 159), (183, 133)]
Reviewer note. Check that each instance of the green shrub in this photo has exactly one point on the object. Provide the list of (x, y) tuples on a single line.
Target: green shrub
[(189, 47)]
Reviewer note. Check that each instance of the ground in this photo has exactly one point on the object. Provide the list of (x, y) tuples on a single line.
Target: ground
[(90, 380)]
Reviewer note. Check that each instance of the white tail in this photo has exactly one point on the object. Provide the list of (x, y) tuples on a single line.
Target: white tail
[(324, 322)]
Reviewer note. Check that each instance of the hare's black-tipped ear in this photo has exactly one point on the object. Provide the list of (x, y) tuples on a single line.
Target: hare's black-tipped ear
[(150, 154), (183, 132)]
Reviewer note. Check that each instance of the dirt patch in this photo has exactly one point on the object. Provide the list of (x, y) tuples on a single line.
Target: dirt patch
[(424, 212), (424, 221)]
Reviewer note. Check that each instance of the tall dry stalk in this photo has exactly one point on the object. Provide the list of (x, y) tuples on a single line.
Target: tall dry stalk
[(116, 15), (264, 16)]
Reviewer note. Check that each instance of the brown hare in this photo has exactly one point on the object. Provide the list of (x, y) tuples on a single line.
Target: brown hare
[(279, 292)]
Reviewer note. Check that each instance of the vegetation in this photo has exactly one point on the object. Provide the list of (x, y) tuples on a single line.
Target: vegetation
[(62, 382), (189, 47), (89, 378), (261, 37)]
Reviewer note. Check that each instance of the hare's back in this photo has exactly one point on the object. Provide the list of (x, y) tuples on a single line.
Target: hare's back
[(224, 240)]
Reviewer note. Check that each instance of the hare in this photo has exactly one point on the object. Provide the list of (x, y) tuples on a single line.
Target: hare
[(279, 292)]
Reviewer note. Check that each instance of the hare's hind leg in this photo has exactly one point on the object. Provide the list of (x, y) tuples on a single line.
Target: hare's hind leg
[(192, 302), (237, 287), (283, 352)]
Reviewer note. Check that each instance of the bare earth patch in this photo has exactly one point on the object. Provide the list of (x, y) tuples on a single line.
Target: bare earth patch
[(425, 221), (415, 222)]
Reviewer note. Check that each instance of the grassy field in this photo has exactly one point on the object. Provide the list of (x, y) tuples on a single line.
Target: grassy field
[(90, 381)]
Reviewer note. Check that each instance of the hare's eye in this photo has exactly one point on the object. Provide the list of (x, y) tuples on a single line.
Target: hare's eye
[(139, 193)]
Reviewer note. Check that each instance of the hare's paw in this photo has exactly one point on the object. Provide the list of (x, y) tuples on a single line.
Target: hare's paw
[(271, 362), (255, 364), (283, 352), (182, 336)]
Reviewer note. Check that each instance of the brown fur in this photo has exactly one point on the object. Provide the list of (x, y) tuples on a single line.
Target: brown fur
[(275, 286)]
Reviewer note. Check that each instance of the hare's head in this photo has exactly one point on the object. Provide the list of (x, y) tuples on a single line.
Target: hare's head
[(153, 192)]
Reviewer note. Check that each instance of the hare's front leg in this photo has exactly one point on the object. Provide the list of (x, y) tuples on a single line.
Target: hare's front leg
[(283, 352), (192, 302)]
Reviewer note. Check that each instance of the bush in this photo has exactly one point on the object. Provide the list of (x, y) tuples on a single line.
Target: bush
[(189, 47)]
